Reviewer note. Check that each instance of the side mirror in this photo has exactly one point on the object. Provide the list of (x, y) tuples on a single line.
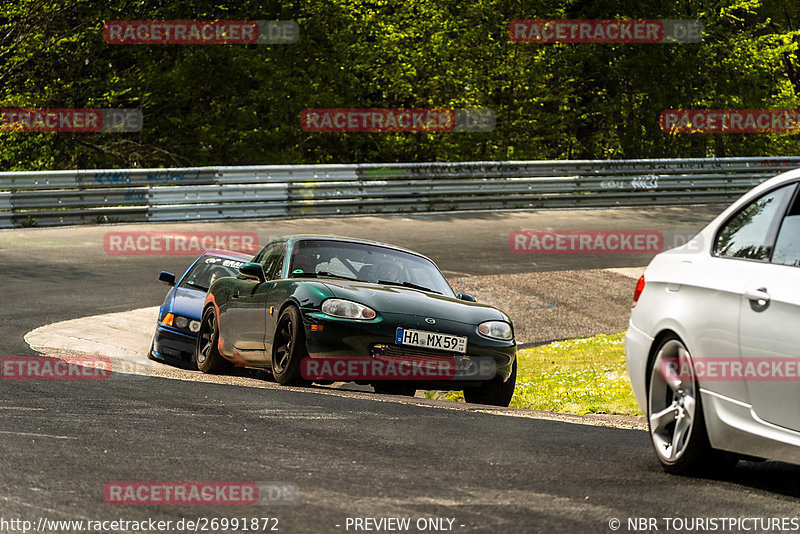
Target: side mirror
[(167, 278), (466, 296), (253, 271)]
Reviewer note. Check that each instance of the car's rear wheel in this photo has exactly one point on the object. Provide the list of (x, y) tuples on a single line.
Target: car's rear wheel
[(675, 414), (289, 348), (206, 351), (493, 392)]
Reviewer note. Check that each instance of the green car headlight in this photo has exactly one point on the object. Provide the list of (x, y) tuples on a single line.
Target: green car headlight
[(347, 309), (496, 330)]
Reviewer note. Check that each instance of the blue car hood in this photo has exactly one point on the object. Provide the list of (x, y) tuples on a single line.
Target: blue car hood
[(187, 302)]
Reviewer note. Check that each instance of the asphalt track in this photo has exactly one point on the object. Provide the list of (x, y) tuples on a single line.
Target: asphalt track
[(348, 456)]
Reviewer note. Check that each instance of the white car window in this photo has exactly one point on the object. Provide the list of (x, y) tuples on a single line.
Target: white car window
[(787, 246), (747, 234)]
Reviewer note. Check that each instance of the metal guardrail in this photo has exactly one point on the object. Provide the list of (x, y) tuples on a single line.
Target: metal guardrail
[(52, 198)]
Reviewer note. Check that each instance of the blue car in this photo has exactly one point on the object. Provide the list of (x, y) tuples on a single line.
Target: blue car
[(179, 316)]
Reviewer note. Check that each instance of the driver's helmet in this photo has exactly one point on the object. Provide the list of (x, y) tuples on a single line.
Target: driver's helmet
[(304, 262), (389, 271)]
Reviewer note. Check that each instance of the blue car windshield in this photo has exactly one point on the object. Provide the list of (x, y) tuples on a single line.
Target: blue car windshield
[(208, 270), (366, 263)]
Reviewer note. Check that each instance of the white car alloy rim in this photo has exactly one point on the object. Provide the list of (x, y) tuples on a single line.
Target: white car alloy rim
[(672, 400)]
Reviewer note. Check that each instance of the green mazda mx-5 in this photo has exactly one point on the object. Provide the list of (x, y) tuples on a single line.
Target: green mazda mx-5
[(323, 309)]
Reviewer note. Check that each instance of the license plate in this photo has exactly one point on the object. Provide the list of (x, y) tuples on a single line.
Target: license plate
[(431, 340)]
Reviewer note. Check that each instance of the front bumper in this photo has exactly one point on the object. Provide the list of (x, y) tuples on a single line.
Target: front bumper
[(174, 346), (343, 338)]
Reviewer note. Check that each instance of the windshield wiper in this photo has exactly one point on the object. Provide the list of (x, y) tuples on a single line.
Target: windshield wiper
[(407, 284), (324, 273), (196, 286), (334, 275)]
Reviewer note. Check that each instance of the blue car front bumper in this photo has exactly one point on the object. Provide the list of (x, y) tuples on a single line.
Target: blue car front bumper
[(174, 346)]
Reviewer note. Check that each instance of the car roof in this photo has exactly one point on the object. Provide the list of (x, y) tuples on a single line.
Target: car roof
[(787, 176), (767, 185)]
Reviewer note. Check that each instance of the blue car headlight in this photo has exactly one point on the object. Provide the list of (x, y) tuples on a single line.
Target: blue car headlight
[(178, 321), (347, 309), (496, 330)]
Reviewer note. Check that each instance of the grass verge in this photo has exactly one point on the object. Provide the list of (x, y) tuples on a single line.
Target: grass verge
[(578, 376)]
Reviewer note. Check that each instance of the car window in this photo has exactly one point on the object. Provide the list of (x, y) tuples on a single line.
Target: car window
[(208, 270), (277, 264), (272, 260), (787, 246), (750, 233), (259, 258)]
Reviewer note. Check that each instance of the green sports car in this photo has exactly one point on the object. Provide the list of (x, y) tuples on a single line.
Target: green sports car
[(323, 309)]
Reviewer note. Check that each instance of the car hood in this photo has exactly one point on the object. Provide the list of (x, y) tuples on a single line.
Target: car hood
[(187, 302), (408, 301)]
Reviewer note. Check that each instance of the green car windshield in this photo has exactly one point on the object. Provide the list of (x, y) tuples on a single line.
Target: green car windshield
[(366, 263)]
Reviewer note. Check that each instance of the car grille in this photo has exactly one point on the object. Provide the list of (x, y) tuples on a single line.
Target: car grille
[(404, 351)]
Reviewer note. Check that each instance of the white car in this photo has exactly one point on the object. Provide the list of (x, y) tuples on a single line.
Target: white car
[(713, 344)]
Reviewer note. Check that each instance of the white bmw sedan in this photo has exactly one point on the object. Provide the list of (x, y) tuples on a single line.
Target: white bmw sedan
[(713, 344)]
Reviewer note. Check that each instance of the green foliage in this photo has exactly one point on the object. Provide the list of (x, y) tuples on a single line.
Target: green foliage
[(579, 376), (576, 376), (240, 104)]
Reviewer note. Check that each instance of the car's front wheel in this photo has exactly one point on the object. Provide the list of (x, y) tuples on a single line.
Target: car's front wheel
[(206, 351), (289, 348), (675, 414), (493, 392)]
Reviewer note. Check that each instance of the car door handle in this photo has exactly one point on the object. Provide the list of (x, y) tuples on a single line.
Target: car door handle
[(235, 294), (759, 298)]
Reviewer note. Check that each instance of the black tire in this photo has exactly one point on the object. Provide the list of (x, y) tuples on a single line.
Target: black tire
[(494, 392), (675, 417), (206, 350), (391, 388), (289, 348)]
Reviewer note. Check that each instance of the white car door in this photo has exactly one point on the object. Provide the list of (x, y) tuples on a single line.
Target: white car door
[(769, 328)]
